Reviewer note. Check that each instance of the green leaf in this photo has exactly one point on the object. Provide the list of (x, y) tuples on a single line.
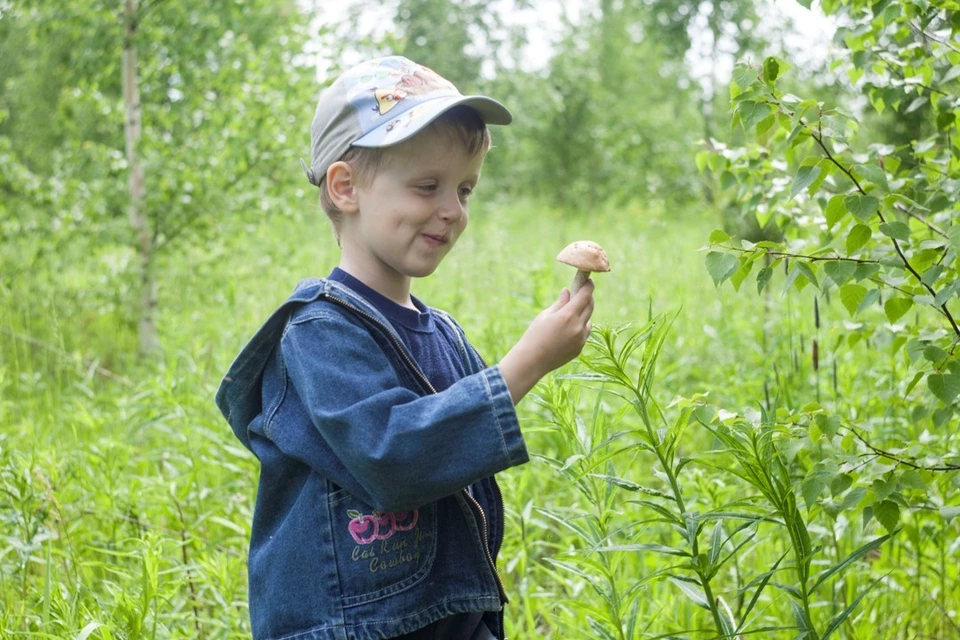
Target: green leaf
[(811, 488), (954, 234), (837, 622), (865, 271), (808, 272), (741, 274), (701, 160), (840, 483), (771, 70), (852, 499), (804, 178), (721, 266), (912, 479), (753, 112), (761, 582), (940, 416), (744, 76), (931, 275), (719, 236), (727, 180), (87, 630), (858, 236), (872, 296), (945, 386), (913, 383), (887, 513), (835, 211), (863, 207), (839, 271), (829, 425), (896, 230), (949, 513), (872, 173), (716, 543), (763, 278), (934, 354), (894, 308), (656, 548), (946, 293), (695, 593), (850, 559), (851, 295)]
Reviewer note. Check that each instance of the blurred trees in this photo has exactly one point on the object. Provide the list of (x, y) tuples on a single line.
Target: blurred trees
[(219, 95), (226, 97)]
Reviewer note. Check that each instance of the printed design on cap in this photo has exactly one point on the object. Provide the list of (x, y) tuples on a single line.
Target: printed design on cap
[(392, 86)]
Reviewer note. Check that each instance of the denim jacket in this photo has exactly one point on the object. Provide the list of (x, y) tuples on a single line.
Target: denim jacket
[(364, 527)]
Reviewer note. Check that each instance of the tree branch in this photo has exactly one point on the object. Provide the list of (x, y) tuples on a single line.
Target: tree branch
[(934, 38), (899, 207), (800, 256), (896, 245), (907, 462)]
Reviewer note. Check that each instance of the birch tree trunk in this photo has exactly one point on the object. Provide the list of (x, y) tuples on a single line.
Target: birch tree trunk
[(146, 324)]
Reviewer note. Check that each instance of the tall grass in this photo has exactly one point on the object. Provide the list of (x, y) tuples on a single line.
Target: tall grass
[(125, 501)]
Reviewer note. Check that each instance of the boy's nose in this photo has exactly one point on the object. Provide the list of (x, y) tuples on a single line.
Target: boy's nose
[(451, 208)]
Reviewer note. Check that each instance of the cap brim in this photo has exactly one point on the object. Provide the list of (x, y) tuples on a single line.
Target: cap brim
[(416, 118)]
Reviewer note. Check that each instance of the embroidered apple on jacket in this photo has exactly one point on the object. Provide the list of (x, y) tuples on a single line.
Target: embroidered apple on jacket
[(405, 520), (363, 528), (385, 525)]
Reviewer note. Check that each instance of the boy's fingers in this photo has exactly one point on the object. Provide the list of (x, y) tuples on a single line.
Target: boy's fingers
[(561, 301), (582, 298), (587, 310)]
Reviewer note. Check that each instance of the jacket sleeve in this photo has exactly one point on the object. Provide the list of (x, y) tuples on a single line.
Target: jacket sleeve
[(399, 450)]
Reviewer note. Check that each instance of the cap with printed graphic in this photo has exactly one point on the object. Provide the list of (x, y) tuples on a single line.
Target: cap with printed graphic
[(382, 102)]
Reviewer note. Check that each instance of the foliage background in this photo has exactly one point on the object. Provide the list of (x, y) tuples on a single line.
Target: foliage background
[(752, 483)]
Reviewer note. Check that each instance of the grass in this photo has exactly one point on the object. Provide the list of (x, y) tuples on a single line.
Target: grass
[(125, 501)]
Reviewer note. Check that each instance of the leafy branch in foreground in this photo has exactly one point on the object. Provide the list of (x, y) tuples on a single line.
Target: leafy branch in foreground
[(866, 208)]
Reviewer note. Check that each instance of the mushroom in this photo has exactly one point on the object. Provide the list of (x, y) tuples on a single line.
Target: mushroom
[(587, 257)]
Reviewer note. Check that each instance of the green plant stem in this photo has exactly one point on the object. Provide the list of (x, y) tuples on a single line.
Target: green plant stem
[(641, 407), (611, 579)]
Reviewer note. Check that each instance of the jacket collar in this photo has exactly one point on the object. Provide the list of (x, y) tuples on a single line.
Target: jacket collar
[(237, 396)]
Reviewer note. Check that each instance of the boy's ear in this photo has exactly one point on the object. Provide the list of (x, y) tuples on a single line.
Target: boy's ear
[(341, 185)]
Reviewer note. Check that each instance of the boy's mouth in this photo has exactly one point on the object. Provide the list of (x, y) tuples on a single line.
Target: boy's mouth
[(435, 240)]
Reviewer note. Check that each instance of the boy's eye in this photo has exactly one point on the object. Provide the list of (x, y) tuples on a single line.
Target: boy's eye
[(465, 191), (430, 187)]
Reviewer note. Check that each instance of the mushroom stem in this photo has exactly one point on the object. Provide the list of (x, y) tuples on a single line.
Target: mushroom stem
[(579, 280)]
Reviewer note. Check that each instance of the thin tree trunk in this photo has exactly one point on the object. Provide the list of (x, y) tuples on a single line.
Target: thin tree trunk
[(146, 325)]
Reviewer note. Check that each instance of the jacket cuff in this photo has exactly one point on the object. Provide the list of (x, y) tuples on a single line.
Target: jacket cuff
[(505, 415)]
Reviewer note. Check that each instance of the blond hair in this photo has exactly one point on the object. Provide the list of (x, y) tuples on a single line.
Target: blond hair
[(462, 124)]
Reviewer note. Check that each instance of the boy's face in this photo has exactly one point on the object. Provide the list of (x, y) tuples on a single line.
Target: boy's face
[(411, 213)]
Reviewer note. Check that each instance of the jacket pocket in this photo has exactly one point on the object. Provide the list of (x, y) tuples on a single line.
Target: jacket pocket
[(379, 553)]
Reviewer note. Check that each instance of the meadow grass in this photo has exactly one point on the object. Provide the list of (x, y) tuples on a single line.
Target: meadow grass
[(126, 500)]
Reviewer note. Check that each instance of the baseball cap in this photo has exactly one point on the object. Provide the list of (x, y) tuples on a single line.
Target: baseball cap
[(381, 102)]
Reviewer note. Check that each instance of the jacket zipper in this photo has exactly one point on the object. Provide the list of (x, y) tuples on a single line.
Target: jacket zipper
[(416, 369), (486, 547)]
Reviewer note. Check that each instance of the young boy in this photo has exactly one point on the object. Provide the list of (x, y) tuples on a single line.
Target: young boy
[(377, 425)]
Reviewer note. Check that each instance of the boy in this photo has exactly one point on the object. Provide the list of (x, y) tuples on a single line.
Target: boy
[(377, 426)]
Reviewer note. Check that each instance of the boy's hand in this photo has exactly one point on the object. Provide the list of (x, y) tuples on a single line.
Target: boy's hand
[(555, 337)]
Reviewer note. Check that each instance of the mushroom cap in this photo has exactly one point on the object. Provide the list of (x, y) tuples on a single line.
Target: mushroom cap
[(585, 255)]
